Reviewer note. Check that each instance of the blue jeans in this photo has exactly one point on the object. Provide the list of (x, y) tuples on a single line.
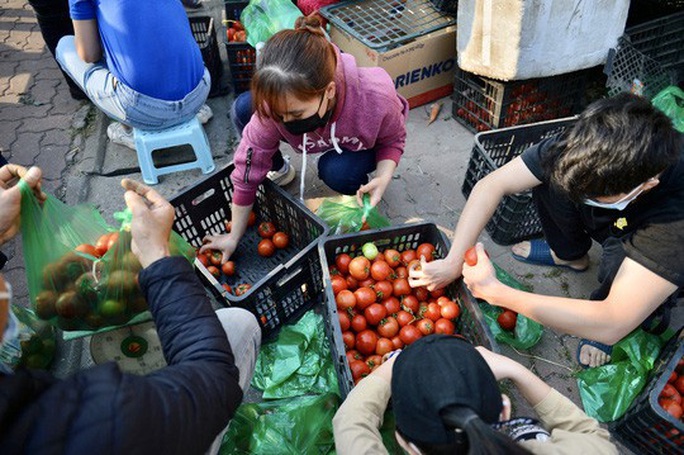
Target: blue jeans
[(121, 102), (343, 172)]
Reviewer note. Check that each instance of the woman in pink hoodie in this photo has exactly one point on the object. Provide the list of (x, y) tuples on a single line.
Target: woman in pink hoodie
[(308, 94)]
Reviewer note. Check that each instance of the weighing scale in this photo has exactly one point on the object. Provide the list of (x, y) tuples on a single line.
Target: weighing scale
[(135, 348)]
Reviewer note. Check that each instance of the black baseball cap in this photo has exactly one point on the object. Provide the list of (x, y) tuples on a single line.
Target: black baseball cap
[(438, 375)]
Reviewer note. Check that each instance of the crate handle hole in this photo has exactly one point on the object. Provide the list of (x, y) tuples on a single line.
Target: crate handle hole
[(289, 276), (203, 197)]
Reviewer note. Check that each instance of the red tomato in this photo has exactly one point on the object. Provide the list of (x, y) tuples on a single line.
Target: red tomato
[(388, 327), (383, 346), (407, 256), (470, 256), (421, 294), (214, 271), (410, 302), (228, 225), (426, 250), (345, 299), (409, 334), (228, 268), (345, 322), (359, 323), (242, 289), (251, 221), (445, 326), (338, 284), (671, 407), (401, 287), (366, 341), (113, 238), (374, 360), (396, 341), (437, 293), (215, 257), (507, 320), (670, 392), (367, 283), (359, 268), (88, 249), (392, 305), (227, 288), (433, 312), (450, 310), (679, 385), (352, 355), (404, 318), (266, 229), (375, 313), (359, 369), (392, 257), (426, 326), (266, 248), (673, 377), (342, 262), (380, 270), (414, 265), (349, 339), (383, 289), (401, 272), (203, 258), (101, 244), (281, 240), (352, 283), (364, 297)]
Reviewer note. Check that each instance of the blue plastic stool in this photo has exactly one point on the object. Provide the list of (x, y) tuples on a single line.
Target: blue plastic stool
[(190, 133)]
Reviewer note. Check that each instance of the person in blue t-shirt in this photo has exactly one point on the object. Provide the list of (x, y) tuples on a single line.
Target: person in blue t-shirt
[(138, 62)]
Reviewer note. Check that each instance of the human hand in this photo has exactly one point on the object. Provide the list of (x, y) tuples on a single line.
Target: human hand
[(434, 275), (225, 243), (481, 277), (10, 196), (502, 366), (151, 224), (385, 369), (375, 189)]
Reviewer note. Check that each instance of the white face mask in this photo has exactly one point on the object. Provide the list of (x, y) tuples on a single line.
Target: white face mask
[(618, 205)]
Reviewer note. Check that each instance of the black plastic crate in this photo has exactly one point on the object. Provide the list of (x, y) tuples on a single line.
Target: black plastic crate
[(647, 428), (470, 323), (241, 56), (285, 285), (516, 217), (483, 104), (205, 35), (446, 6), (648, 58)]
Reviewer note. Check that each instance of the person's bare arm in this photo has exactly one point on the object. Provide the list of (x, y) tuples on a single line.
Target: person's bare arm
[(636, 292), (512, 178), (87, 37)]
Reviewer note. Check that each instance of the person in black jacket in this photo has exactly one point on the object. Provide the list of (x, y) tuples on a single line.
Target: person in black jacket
[(182, 408)]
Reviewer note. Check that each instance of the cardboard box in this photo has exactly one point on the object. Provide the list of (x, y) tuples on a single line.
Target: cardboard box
[(422, 70)]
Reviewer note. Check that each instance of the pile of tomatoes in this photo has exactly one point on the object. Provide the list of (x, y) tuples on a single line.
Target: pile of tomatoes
[(272, 240), (670, 398), (377, 309), (236, 32)]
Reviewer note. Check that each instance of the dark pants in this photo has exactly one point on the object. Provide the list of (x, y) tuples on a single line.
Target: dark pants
[(343, 172), (55, 22), (568, 237)]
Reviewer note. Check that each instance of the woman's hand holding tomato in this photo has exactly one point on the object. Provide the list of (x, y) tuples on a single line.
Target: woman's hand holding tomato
[(225, 243), (481, 277), (434, 275)]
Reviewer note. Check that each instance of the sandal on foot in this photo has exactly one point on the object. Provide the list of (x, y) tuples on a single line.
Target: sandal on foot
[(607, 349), (540, 254)]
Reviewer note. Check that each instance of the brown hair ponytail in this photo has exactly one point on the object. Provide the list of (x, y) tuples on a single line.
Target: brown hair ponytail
[(301, 62)]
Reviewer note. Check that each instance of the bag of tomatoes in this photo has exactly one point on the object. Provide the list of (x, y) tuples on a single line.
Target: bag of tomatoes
[(343, 214), (81, 272)]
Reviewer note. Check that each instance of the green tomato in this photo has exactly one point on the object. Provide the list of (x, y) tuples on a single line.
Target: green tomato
[(370, 250)]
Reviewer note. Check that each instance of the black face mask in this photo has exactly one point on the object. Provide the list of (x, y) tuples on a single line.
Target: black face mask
[(306, 125)]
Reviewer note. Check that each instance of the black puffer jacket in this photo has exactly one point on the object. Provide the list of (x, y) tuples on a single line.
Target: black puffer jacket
[(176, 410)]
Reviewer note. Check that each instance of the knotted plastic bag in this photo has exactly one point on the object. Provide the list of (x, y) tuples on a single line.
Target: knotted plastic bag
[(264, 18), (343, 214), (527, 332), (609, 390), (81, 272), (33, 347), (671, 102)]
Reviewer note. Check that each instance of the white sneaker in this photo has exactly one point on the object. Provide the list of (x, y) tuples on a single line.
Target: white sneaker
[(118, 134), (204, 114), (285, 175)]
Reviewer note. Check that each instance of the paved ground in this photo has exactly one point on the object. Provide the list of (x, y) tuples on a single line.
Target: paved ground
[(41, 125)]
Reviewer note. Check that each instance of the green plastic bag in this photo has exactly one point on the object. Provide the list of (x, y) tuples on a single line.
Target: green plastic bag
[(35, 345), (671, 102), (69, 284), (343, 214), (298, 362), (301, 425), (608, 391), (527, 332), (264, 18)]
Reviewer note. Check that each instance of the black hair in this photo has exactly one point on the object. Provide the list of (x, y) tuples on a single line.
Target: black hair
[(473, 436), (616, 144)]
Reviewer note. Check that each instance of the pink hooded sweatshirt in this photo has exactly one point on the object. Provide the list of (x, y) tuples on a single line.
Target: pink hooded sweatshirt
[(369, 114)]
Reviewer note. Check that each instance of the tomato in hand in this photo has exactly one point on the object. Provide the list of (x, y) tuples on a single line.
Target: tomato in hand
[(281, 240), (470, 256), (215, 257), (375, 313), (426, 250), (266, 229), (101, 245), (266, 248), (366, 341), (507, 320), (342, 263), (203, 259), (228, 268)]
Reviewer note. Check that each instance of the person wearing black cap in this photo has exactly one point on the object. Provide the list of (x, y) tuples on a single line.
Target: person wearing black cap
[(445, 399)]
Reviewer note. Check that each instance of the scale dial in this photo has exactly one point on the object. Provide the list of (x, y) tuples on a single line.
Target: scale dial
[(136, 348)]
